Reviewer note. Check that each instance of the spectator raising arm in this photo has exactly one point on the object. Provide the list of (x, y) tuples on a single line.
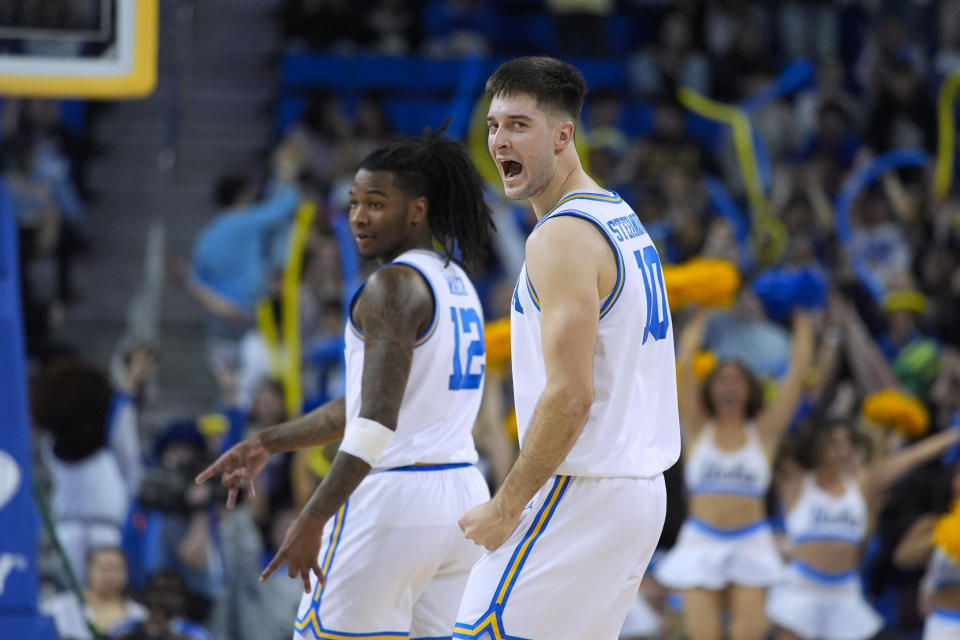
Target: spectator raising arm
[(879, 476), (122, 432), (693, 415), (777, 416), (916, 545)]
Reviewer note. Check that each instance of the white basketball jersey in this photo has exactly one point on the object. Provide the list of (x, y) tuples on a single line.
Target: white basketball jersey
[(443, 393), (634, 428)]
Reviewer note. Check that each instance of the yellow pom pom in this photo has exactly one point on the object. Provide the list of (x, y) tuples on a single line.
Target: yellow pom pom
[(705, 281), (212, 424), (497, 336), (898, 411), (704, 362), (946, 533)]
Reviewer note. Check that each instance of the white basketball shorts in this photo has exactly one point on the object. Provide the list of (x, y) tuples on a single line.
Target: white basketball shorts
[(572, 566), (395, 560)]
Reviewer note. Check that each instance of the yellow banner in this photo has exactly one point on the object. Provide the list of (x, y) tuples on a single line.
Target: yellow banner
[(946, 135)]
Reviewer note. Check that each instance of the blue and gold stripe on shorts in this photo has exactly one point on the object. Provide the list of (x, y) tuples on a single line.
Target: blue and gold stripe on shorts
[(311, 621), (491, 622)]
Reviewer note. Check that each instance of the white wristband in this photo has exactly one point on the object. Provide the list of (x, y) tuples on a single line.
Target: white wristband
[(366, 439)]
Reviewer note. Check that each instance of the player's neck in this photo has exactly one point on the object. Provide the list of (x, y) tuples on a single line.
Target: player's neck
[(568, 178), (419, 241)]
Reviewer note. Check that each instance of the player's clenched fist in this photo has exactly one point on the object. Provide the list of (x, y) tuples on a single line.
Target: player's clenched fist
[(488, 524)]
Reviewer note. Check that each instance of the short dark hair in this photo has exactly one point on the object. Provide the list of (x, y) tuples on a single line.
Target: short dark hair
[(555, 84), (754, 398)]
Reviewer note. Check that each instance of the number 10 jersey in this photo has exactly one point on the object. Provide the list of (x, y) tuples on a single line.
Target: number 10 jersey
[(633, 429), (445, 385)]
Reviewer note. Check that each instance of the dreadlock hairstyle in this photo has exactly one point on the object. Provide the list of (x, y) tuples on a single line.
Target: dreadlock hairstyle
[(439, 168), (555, 84)]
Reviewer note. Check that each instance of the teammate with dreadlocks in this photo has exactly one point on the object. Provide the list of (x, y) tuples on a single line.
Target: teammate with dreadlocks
[(390, 560)]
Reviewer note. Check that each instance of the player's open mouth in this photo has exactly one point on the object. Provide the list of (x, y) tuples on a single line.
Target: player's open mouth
[(511, 169), (363, 239)]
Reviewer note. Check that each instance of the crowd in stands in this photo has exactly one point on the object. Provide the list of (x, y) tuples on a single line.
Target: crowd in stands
[(42, 170), (783, 381)]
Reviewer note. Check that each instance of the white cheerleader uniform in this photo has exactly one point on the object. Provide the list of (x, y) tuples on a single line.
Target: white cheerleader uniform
[(393, 555), (91, 497), (942, 572), (709, 557), (812, 603), (572, 566)]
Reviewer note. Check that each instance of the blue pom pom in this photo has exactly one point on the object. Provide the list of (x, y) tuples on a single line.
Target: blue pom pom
[(784, 290)]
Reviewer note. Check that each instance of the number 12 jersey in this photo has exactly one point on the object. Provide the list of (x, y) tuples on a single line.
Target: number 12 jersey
[(445, 386), (633, 429)]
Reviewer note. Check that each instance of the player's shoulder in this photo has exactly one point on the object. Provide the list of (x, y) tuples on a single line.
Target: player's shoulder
[(395, 281), (396, 293), (566, 239)]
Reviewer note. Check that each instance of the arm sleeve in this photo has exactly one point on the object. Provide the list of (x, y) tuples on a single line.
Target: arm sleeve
[(276, 208), (124, 439)]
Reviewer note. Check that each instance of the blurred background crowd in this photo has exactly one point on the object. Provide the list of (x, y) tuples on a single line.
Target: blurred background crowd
[(830, 210)]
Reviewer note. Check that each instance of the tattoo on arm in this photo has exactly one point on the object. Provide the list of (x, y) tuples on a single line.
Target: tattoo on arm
[(319, 427), (395, 305), (346, 474)]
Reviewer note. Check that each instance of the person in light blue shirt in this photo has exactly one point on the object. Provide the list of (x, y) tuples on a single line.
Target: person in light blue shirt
[(232, 254), (235, 254)]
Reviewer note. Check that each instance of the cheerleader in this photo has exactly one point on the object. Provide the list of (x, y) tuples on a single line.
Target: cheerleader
[(927, 541), (725, 556), (92, 450), (830, 501)]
